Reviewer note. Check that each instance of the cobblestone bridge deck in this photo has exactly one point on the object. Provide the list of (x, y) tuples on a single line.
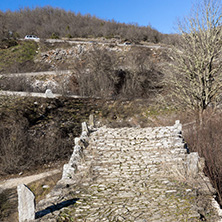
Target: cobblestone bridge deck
[(133, 174)]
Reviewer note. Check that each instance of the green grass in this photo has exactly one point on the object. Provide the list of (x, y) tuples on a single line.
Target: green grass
[(17, 55)]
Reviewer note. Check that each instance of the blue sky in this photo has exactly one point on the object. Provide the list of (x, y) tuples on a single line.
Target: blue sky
[(160, 14)]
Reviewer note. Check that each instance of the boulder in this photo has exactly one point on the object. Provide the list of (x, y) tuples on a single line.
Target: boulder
[(194, 164), (49, 94)]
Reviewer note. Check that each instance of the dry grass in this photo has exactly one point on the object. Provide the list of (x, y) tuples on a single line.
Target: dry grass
[(8, 205), (42, 187)]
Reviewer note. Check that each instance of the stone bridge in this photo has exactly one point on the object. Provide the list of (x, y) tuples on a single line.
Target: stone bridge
[(131, 174)]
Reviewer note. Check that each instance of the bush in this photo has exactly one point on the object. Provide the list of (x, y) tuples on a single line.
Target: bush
[(16, 83), (207, 140), (54, 36), (142, 78), (96, 74), (107, 74), (38, 131), (7, 43), (14, 145)]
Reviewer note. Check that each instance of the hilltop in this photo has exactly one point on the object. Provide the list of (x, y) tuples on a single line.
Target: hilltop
[(48, 22)]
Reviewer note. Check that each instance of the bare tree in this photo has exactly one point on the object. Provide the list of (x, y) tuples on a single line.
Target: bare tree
[(196, 78), (96, 73), (143, 77)]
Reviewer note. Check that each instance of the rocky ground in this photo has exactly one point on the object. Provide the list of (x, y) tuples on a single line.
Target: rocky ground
[(56, 57)]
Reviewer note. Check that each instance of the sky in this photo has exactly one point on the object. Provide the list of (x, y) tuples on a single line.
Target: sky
[(159, 14)]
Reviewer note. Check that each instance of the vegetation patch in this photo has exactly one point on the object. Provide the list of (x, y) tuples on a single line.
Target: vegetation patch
[(37, 131), (206, 140), (42, 187), (8, 204), (14, 59)]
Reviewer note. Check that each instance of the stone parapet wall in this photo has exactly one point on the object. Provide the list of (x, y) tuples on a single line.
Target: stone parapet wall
[(70, 169)]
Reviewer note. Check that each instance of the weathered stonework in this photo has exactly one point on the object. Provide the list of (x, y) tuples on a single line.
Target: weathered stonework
[(91, 121), (70, 169), (26, 203), (85, 128), (194, 165), (134, 174)]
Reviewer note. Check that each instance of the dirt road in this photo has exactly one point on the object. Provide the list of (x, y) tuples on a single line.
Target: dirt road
[(14, 182)]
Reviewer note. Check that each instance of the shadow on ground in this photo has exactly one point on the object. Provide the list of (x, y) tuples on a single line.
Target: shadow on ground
[(53, 208)]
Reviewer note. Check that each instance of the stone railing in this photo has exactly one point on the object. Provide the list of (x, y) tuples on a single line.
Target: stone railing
[(81, 142)]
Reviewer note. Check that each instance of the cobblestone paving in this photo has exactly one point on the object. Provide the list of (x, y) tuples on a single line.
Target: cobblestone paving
[(130, 178)]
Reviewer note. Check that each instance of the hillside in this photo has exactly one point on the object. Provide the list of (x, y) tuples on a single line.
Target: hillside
[(48, 22), (119, 65)]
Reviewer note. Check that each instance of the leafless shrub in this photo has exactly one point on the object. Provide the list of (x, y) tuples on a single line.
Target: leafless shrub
[(14, 143), (142, 78), (171, 39), (65, 85), (23, 149), (96, 73), (15, 83), (73, 85), (207, 140), (105, 73), (38, 131)]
